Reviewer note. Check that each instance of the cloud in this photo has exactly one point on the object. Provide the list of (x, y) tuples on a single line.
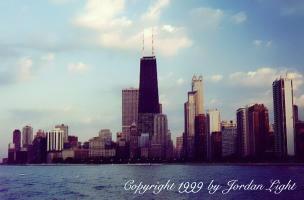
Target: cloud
[(154, 11), (261, 43), (207, 17), (180, 81), (103, 15), (264, 77), (300, 101), (215, 78), (60, 2), (25, 68), (78, 67), (116, 31), (239, 17), (48, 57)]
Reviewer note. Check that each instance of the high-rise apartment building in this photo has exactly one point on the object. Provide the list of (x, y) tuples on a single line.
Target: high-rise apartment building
[(129, 110), (284, 124)]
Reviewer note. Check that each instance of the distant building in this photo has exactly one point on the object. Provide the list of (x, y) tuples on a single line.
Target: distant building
[(214, 139), (300, 139), (283, 117), (129, 110), (179, 147), (258, 129), (55, 140), (200, 137), (242, 132), (101, 147), (229, 139), (65, 130), (27, 136), (148, 99), (11, 153), (134, 146), (40, 133), (159, 139), (39, 150), (17, 139)]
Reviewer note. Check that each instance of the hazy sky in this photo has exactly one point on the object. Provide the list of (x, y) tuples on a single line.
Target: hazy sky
[(66, 61)]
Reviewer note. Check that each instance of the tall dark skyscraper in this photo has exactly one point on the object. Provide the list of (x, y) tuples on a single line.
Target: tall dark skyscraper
[(148, 100), (148, 86), (17, 139)]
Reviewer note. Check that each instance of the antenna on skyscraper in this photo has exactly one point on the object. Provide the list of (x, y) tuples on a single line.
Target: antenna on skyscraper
[(152, 42), (143, 43)]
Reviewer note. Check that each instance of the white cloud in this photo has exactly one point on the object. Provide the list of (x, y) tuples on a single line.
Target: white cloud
[(216, 78), (25, 68), (257, 43), (103, 15), (239, 17), (60, 2), (78, 67), (180, 81), (168, 28), (207, 17), (114, 30), (264, 77), (48, 57), (261, 43), (300, 101), (154, 11)]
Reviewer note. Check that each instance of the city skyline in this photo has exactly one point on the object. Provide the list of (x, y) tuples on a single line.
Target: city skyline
[(85, 94)]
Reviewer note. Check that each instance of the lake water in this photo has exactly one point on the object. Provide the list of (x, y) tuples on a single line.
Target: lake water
[(108, 181)]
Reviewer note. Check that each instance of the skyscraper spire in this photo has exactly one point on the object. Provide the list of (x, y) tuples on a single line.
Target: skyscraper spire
[(143, 43), (152, 42)]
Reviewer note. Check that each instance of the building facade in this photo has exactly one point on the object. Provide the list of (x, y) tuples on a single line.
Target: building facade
[(129, 110), (55, 140), (27, 136), (283, 117)]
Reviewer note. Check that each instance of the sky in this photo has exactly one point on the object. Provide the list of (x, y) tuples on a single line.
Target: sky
[(66, 61)]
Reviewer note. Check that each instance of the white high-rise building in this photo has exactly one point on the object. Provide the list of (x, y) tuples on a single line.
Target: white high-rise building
[(27, 136), (284, 125), (213, 121), (55, 140), (197, 86)]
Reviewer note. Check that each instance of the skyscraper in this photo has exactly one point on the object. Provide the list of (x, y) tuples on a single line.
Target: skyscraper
[(148, 86), (229, 139), (65, 130), (242, 132), (200, 137), (17, 139), (214, 140), (193, 107), (55, 140), (197, 86), (258, 129), (283, 117), (27, 136), (159, 139), (148, 100), (129, 110)]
